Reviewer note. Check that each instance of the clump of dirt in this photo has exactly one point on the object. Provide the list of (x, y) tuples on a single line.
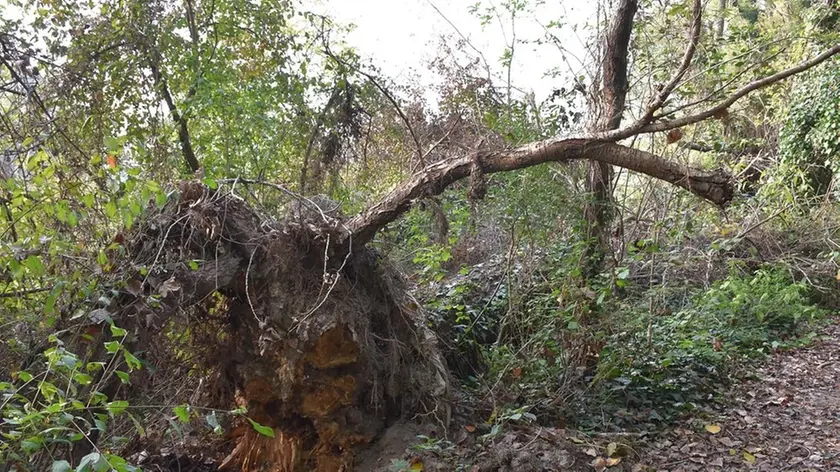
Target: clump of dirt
[(316, 338)]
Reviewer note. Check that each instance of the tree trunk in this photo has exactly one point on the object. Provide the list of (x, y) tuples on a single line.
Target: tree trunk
[(714, 186), (597, 210), (721, 21)]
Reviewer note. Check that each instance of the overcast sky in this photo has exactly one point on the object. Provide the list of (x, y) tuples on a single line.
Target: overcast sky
[(401, 36)]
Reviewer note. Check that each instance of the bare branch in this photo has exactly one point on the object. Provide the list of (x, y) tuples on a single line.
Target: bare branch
[(177, 117), (722, 105), (24, 293), (703, 147), (696, 28), (388, 96)]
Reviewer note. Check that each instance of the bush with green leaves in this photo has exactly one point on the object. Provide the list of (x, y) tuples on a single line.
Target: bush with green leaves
[(809, 143), (59, 402), (673, 360)]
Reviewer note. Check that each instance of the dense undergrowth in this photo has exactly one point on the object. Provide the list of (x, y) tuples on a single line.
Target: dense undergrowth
[(626, 351)]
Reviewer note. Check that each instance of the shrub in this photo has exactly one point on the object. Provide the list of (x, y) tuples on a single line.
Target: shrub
[(673, 360)]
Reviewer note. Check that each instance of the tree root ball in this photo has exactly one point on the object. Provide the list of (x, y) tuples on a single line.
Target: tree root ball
[(321, 344)]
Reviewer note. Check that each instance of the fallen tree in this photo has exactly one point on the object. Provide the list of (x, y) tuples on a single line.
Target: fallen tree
[(715, 186), (301, 323)]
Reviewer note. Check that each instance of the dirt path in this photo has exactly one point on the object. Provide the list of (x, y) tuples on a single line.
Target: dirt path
[(788, 419)]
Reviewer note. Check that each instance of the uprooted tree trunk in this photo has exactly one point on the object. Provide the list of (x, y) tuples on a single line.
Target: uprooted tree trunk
[(320, 342)]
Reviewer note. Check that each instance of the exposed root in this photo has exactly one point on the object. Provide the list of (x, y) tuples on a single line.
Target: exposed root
[(318, 342)]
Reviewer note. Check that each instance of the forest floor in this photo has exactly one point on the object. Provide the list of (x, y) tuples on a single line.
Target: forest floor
[(786, 418)]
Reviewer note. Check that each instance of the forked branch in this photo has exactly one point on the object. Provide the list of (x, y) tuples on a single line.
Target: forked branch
[(656, 127), (665, 92)]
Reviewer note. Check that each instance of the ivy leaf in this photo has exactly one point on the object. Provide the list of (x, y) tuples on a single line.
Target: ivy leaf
[(133, 362), (82, 379), (117, 332), (93, 462), (25, 376), (264, 430), (123, 376)]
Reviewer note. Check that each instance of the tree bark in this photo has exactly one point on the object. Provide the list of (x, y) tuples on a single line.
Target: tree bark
[(721, 22), (179, 119), (597, 210), (714, 186)]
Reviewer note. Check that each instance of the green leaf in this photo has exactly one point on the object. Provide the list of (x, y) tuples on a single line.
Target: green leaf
[(160, 199), (94, 366), (110, 209), (61, 466), (264, 430), (32, 445), (112, 346), (133, 362), (137, 426), (82, 379), (123, 376), (93, 462), (68, 361), (34, 264), (116, 407), (183, 413), (25, 376), (112, 144), (102, 258), (119, 464), (117, 332), (100, 424)]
